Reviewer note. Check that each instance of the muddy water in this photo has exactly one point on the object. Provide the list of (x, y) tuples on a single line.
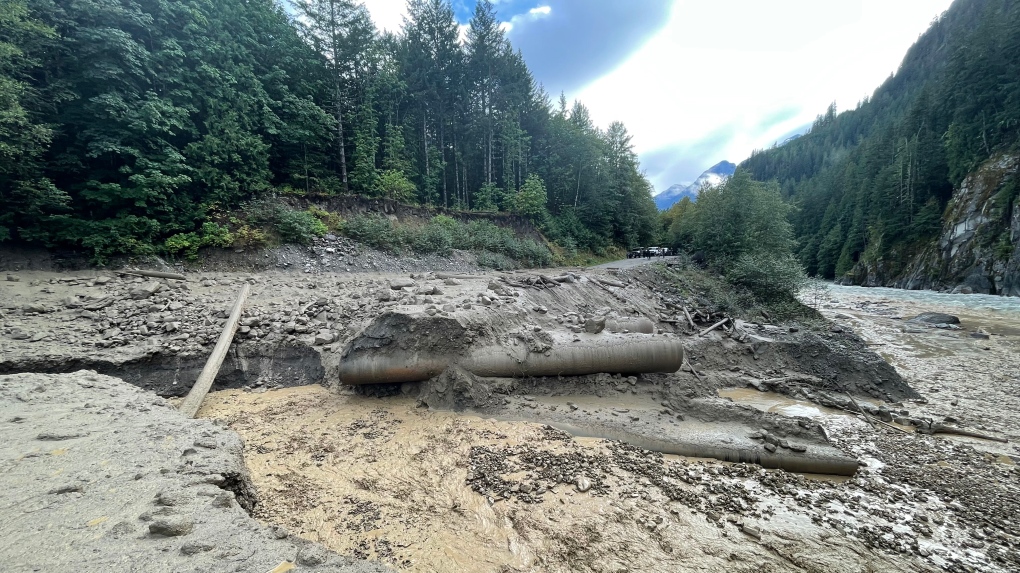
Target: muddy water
[(383, 479), (934, 361), (780, 404)]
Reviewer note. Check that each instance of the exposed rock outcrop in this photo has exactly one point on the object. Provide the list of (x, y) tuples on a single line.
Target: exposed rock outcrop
[(979, 248)]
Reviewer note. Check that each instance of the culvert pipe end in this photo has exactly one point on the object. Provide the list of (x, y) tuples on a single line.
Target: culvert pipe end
[(396, 368)]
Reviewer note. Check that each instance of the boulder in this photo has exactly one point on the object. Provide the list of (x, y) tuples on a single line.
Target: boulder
[(935, 318), (397, 284), (145, 290), (594, 325)]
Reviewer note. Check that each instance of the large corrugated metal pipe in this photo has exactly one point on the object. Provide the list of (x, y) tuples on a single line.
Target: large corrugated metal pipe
[(615, 355)]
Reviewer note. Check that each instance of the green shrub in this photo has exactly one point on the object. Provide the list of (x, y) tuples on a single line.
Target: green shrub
[(250, 237), (393, 184), (186, 243), (496, 261), (298, 226), (769, 277), (373, 230), (442, 234), (433, 238), (330, 219), (214, 235)]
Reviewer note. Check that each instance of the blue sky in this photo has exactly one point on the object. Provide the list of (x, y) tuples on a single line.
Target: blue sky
[(700, 81)]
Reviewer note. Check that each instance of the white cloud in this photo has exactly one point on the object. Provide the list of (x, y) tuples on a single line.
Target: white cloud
[(388, 15), (536, 13), (735, 63)]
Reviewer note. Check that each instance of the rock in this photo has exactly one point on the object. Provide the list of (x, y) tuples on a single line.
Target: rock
[(13, 279), (770, 447), (935, 318), (18, 334), (99, 304), (172, 526), (583, 484), (145, 290), (171, 498), (196, 547), (71, 302), (750, 531), (979, 335), (324, 337), (101, 280), (451, 282), (58, 436), (312, 555), (397, 284), (595, 325)]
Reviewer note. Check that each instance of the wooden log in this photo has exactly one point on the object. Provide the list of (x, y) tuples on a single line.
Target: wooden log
[(154, 274), (687, 361), (867, 418), (459, 277), (612, 283), (193, 401), (689, 319), (944, 429), (714, 326)]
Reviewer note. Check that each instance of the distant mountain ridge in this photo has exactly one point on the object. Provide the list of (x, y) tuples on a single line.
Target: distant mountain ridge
[(713, 176)]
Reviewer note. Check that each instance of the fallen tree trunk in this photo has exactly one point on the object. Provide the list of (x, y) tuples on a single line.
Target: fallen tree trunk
[(804, 462), (714, 326), (612, 283), (617, 356), (689, 319), (944, 429), (460, 277), (154, 274), (193, 401)]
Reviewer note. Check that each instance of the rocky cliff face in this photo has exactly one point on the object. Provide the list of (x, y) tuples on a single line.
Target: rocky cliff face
[(979, 248)]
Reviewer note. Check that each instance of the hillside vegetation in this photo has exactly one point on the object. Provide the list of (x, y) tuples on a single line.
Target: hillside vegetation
[(130, 127), (872, 184)]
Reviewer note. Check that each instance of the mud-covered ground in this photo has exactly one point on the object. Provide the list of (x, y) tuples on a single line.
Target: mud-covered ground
[(395, 474)]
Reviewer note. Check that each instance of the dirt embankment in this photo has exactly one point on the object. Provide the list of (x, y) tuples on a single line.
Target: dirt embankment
[(462, 471)]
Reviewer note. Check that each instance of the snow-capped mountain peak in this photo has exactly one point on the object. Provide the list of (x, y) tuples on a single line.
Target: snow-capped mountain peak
[(715, 175)]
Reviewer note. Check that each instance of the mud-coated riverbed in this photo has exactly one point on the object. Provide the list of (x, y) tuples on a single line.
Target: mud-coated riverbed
[(427, 490)]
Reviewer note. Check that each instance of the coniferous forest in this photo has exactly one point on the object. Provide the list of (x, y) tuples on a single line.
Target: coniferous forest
[(872, 183), (124, 123)]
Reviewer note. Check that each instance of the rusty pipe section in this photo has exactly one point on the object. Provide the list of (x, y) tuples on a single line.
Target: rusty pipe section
[(612, 355)]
